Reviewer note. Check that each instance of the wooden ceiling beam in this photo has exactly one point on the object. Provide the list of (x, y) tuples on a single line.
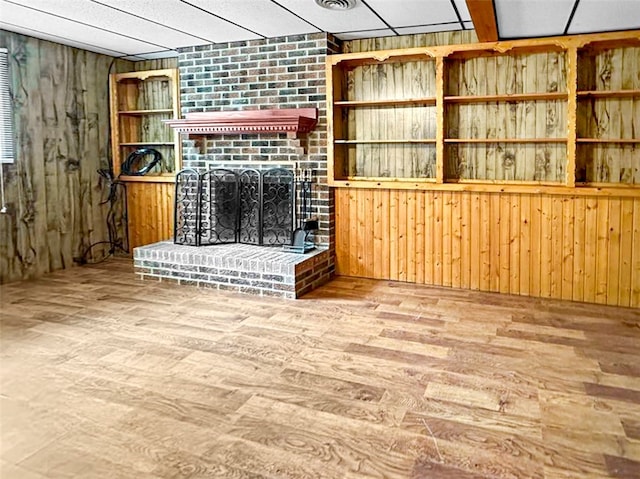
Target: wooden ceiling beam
[(483, 15)]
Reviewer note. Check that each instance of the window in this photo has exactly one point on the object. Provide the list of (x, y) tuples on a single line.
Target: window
[(6, 112)]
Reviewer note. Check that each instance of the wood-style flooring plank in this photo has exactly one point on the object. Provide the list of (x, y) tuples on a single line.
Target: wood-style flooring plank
[(102, 375)]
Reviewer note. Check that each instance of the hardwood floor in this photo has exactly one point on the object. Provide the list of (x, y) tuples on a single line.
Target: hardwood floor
[(104, 376)]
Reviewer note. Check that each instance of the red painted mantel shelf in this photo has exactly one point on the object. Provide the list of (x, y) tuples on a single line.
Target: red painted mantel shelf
[(286, 120)]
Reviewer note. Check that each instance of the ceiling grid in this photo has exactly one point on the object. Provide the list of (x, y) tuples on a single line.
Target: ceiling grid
[(142, 29)]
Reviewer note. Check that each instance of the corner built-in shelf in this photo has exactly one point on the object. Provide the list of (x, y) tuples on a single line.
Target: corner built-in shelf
[(140, 100)]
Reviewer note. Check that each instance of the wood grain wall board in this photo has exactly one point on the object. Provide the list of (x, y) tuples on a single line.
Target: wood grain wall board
[(60, 100), (578, 248), (150, 212), (408, 41)]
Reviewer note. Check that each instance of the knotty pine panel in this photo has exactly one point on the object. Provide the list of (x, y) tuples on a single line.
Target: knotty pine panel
[(575, 248), (57, 207), (150, 212)]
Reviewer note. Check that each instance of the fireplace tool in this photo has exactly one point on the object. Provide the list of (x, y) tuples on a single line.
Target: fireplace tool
[(300, 237)]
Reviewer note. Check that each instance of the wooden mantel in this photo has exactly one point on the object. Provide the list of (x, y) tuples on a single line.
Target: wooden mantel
[(286, 120)]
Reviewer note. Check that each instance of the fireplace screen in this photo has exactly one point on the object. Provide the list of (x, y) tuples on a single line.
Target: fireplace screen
[(235, 206)]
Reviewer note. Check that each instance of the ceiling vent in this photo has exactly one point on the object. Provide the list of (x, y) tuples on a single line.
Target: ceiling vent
[(337, 4)]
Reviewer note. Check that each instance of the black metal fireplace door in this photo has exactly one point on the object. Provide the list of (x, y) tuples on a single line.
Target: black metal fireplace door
[(247, 206)]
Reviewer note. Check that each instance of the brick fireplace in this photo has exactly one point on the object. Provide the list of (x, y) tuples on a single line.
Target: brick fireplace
[(276, 73)]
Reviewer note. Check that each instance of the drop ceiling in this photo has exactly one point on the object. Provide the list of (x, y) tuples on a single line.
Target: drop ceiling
[(145, 29)]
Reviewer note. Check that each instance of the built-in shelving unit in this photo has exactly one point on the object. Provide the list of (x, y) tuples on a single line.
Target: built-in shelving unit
[(554, 113), (140, 101)]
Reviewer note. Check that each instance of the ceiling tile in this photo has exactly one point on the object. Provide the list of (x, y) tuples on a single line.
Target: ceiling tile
[(429, 28), (185, 17), (332, 21), (57, 39), (526, 18), (463, 10), (600, 15), (385, 32), (414, 12), (264, 17), (76, 32), (96, 14)]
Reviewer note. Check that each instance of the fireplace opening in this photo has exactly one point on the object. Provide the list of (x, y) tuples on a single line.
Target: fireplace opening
[(248, 206)]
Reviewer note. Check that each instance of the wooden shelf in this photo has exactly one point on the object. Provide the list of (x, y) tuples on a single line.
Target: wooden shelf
[(286, 120), (384, 179), (595, 94), (165, 178), (139, 101), (505, 140), (506, 98), (358, 142), (630, 141), (400, 102), (145, 112), (447, 76), (149, 143)]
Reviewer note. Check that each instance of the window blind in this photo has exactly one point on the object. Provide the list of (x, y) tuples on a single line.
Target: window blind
[(6, 112)]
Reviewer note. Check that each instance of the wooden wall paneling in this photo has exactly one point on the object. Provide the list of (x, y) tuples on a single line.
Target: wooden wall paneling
[(378, 233), (31, 155), (410, 233), (535, 245), (475, 240), (456, 239), (494, 254), (557, 250), (149, 212), (505, 241), (356, 248), (366, 233), (590, 249), (579, 211), (60, 112), (395, 266), (438, 237), (408, 41), (429, 236), (523, 261), (464, 254), (578, 248), (344, 248), (626, 254), (635, 256), (515, 253), (568, 220), (602, 239), (546, 252), (613, 261), (447, 224), (420, 233), (486, 241)]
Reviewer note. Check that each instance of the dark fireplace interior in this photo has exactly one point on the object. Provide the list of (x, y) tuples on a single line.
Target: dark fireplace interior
[(248, 206)]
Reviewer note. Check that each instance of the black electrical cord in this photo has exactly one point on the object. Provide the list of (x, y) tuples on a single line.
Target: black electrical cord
[(131, 166), (115, 188)]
